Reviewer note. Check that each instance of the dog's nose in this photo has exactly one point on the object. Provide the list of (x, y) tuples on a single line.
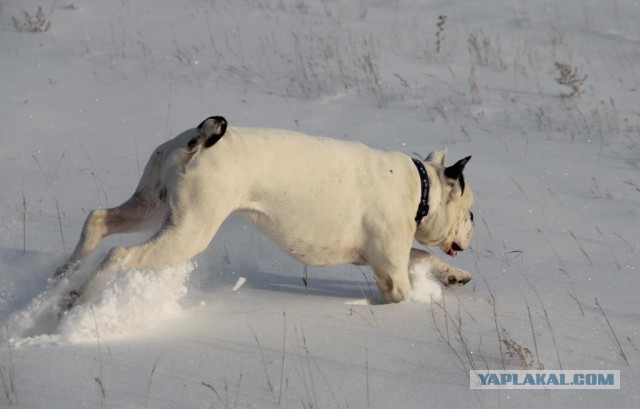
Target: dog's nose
[(455, 246)]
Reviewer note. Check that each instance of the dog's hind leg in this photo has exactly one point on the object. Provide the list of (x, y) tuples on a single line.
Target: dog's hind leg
[(449, 275), (179, 239), (139, 213)]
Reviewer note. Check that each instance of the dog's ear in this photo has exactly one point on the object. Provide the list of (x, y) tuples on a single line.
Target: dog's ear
[(454, 177), (208, 133), (437, 157)]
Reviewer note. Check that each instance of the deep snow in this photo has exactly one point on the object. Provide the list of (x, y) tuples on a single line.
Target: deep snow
[(554, 259)]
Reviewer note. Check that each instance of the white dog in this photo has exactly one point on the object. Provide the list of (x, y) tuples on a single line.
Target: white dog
[(322, 200)]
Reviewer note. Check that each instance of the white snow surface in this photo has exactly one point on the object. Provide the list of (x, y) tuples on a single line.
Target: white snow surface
[(555, 258)]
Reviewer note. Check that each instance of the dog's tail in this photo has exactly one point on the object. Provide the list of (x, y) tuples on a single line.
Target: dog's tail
[(208, 133)]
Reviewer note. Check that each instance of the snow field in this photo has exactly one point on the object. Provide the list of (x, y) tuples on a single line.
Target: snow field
[(554, 259)]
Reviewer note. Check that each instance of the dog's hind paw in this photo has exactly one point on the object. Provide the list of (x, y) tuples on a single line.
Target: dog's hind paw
[(69, 301)]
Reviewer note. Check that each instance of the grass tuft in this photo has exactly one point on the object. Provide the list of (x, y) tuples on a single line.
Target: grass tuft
[(32, 24), (569, 77), (515, 350)]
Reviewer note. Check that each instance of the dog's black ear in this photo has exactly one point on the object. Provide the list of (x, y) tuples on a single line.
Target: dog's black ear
[(454, 172), (208, 133)]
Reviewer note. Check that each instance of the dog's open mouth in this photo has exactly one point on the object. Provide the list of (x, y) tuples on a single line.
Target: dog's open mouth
[(452, 249)]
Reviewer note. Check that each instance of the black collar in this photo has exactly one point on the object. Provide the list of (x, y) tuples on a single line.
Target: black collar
[(423, 207)]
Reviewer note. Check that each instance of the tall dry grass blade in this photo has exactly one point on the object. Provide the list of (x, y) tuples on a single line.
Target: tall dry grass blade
[(495, 320), (101, 391), (237, 397), (284, 345), (366, 368), (148, 393), (615, 337), (64, 247), (463, 341), (215, 392), (24, 224), (533, 335), (565, 271), (264, 361), (548, 321), (442, 336), (584, 253)]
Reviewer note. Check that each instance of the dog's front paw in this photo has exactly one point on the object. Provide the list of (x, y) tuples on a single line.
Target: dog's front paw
[(454, 277)]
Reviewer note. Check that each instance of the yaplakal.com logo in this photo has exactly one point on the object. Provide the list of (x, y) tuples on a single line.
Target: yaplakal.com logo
[(544, 379)]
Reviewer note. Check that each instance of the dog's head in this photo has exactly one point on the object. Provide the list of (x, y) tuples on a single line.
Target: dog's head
[(449, 224)]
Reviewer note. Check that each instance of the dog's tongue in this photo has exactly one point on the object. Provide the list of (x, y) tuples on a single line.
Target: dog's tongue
[(451, 252)]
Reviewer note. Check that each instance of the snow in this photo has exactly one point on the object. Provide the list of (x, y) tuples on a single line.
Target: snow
[(554, 259)]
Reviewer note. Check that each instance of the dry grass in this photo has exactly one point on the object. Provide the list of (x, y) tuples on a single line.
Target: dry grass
[(569, 77), (148, 392), (613, 334), (440, 32), (38, 23), (516, 351), (7, 376)]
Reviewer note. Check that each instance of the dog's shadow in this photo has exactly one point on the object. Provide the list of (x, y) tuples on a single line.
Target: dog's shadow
[(311, 281)]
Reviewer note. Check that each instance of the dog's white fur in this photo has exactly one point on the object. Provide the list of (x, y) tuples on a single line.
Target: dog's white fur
[(322, 200)]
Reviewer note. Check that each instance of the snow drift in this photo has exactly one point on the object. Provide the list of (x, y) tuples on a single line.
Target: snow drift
[(132, 301)]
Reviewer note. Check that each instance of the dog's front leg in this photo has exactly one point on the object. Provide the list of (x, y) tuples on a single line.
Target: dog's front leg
[(449, 275), (393, 284), (391, 274)]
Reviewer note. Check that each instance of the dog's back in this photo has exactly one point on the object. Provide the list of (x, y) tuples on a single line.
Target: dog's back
[(318, 198)]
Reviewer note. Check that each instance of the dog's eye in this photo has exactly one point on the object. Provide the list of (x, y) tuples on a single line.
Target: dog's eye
[(471, 216)]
